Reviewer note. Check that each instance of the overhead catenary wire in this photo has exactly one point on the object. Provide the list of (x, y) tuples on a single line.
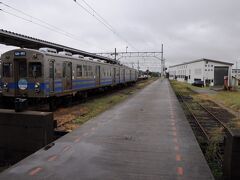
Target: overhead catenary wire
[(104, 22), (26, 19), (42, 23)]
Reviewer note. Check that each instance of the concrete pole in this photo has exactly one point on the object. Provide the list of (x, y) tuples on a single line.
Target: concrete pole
[(162, 63)]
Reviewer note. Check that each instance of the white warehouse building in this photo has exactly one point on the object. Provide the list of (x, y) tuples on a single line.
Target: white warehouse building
[(211, 72)]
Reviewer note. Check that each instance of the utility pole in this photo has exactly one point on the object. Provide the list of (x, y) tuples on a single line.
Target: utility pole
[(162, 63), (138, 66), (237, 72), (115, 54)]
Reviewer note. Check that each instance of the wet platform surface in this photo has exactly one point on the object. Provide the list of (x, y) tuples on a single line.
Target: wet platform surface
[(147, 137)]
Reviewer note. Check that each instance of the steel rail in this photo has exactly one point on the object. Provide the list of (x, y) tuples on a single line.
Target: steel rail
[(218, 155)]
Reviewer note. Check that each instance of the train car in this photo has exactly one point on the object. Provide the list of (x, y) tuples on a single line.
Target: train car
[(0, 78), (46, 74)]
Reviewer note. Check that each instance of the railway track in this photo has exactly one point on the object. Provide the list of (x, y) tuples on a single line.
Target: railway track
[(205, 124)]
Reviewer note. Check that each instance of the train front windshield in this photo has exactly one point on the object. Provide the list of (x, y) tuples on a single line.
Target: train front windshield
[(35, 69), (7, 69)]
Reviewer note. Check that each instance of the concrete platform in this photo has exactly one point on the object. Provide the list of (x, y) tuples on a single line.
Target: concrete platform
[(23, 133), (146, 137)]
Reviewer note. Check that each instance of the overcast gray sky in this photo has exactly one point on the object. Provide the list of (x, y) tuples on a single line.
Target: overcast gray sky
[(189, 29)]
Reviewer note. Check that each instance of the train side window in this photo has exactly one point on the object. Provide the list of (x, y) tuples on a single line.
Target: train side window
[(7, 69), (89, 70), (64, 69), (85, 70), (35, 69), (79, 71), (58, 70), (51, 70), (104, 72)]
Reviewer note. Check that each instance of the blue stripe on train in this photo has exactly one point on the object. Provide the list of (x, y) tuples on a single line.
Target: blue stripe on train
[(31, 86), (79, 86), (106, 83), (59, 87), (83, 80)]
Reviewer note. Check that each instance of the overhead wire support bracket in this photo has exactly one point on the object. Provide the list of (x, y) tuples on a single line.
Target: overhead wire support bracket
[(154, 54)]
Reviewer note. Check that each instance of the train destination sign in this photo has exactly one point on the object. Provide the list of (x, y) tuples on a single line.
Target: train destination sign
[(20, 53)]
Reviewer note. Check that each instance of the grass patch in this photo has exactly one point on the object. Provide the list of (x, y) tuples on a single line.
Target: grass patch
[(100, 104), (211, 154), (229, 99), (180, 86)]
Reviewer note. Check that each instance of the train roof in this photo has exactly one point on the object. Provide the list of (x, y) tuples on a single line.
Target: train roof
[(62, 55), (52, 54), (23, 41)]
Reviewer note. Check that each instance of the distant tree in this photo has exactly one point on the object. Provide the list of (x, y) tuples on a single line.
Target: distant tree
[(154, 74)]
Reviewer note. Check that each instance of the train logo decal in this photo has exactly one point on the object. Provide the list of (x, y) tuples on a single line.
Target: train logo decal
[(22, 84)]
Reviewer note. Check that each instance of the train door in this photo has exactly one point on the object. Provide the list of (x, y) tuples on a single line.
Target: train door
[(123, 75), (130, 75), (119, 75), (20, 76), (51, 76), (67, 75), (114, 75), (97, 75)]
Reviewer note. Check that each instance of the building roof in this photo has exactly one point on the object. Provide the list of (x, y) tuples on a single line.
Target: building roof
[(19, 40), (203, 59)]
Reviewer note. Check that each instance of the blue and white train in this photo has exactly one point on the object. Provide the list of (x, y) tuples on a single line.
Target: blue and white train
[(46, 74)]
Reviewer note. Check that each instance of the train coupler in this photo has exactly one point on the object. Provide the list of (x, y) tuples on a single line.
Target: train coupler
[(20, 104)]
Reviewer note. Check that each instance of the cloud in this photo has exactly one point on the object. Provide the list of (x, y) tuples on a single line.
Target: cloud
[(189, 29)]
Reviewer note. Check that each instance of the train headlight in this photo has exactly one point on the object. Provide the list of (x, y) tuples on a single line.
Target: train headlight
[(37, 87), (5, 86)]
